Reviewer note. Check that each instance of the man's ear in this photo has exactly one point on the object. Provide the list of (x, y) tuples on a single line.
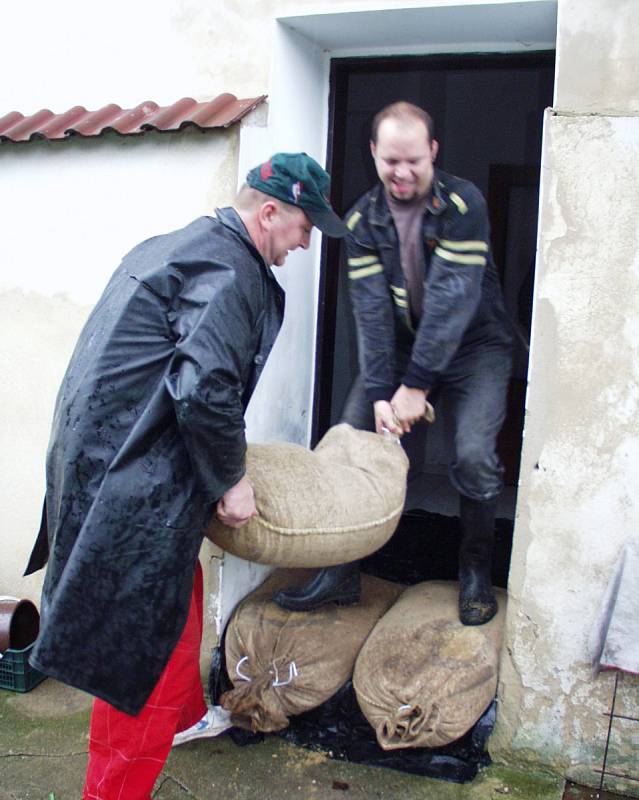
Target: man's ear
[(267, 211), (434, 149), (373, 149)]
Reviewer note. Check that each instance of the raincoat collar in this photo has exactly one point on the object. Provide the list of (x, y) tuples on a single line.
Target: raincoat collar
[(229, 217)]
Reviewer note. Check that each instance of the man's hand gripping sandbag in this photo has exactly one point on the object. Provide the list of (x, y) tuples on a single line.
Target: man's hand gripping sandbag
[(337, 503)]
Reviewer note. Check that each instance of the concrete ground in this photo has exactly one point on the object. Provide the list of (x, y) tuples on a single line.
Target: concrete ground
[(43, 747)]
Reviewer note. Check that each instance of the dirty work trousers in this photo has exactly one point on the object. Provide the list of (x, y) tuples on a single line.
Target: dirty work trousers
[(126, 753)]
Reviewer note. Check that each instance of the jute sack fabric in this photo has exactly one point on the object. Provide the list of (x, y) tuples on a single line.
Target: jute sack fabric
[(423, 679), (282, 663), (337, 503)]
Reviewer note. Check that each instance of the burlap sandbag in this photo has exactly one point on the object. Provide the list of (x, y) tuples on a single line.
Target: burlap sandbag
[(337, 503), (282, 663), (423, 679)]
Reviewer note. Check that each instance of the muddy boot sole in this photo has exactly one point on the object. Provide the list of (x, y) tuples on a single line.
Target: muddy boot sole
[(477, 612)]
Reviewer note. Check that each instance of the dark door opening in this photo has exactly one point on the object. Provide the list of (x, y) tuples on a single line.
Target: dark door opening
[(488, 112)]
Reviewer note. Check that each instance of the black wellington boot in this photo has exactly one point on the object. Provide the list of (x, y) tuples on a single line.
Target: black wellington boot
[(477, 602), (340, 584)]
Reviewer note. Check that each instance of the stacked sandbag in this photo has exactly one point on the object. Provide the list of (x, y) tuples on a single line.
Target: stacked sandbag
[(423, 679), (337, 503), (282, 663)]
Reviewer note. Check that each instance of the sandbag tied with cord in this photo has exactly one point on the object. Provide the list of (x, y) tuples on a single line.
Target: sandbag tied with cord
[(422, 679), (282, 663), (334, 504)]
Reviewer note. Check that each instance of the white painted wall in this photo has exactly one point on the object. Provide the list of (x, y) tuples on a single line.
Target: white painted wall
[(71, 211), (92, 54)]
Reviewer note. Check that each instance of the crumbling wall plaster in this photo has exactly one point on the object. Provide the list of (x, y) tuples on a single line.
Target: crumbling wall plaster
[(577, 501), (598, 56)]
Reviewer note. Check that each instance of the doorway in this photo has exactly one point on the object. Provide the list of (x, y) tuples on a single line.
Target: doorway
[(488, 112)]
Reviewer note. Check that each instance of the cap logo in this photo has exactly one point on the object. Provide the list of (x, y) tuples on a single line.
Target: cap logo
[(296, 191), (266, 170)]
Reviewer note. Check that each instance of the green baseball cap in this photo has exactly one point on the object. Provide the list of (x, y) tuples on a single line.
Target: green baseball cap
[(298, 179)]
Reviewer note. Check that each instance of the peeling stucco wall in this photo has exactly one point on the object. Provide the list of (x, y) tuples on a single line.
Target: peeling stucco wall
[(598, 57), (577, 500)]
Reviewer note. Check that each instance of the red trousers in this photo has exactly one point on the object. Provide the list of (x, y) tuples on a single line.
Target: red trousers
[(126, 754)]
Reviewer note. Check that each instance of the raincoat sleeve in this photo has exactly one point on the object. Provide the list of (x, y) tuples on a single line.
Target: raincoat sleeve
[(373, 309), (215, 346), (452, 290)]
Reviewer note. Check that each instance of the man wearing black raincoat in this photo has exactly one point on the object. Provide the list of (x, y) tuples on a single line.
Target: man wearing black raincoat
[(148, 435)]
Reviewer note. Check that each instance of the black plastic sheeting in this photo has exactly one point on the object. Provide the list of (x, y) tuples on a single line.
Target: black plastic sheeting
[(424, 547), (339, 728)]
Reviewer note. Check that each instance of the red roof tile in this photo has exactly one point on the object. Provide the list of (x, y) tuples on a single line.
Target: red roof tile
[(222, 111)]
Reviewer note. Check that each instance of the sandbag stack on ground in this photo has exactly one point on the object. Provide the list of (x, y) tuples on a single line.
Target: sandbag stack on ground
[(423, 679), (337, 503), (282, 663)]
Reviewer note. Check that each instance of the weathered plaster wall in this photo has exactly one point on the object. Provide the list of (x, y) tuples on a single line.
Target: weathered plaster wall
[(577, 500), (598, 56)]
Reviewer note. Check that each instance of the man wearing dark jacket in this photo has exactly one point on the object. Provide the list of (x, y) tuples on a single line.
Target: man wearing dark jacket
[(431, 323), (147, 443)]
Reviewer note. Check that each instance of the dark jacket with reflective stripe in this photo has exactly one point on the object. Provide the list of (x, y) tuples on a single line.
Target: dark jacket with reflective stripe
[(148, 434), (462, 306)]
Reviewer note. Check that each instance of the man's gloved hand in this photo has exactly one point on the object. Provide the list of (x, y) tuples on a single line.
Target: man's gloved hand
[(237, 506)]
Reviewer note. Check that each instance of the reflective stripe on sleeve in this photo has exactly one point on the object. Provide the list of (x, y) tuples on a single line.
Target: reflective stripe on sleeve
[(362, 261), (399, 296), (364, 272), (464, 245), (460, 258), (457, 200)]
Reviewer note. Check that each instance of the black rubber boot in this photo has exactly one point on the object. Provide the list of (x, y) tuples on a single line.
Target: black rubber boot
[(340, 584), (477, 602)]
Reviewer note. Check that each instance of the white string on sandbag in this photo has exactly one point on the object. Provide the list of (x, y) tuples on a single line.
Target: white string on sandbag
[(316, 529), (239, 674), (294, 666), (292, 673)]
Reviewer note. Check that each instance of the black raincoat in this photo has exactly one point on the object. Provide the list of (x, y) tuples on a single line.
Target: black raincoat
[(148, 434)]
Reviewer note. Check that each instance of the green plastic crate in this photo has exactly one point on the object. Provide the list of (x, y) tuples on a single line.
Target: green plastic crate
[(16, 674)]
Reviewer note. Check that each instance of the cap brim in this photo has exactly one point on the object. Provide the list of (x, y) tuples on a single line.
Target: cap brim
[(327, 221)]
